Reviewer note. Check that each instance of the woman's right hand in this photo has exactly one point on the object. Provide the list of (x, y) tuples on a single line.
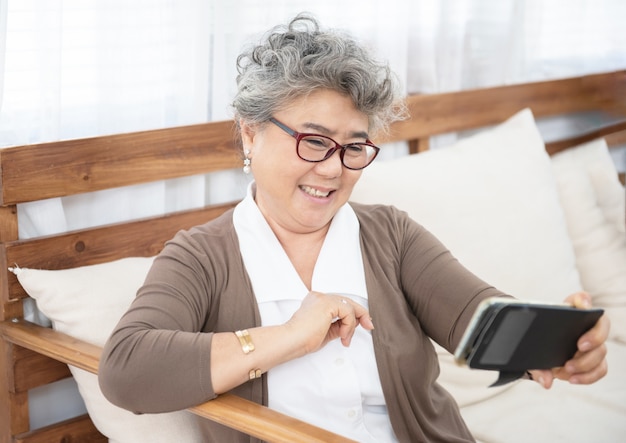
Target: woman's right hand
[(325, 317), (319, 319)]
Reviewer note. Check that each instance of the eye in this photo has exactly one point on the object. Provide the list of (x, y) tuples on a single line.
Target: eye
[(354, 150), (317, 142)]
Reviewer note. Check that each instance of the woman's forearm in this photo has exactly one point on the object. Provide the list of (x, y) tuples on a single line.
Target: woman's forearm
[(231, 366)]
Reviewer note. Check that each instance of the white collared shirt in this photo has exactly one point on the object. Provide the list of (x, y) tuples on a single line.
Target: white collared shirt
[(336, 388)]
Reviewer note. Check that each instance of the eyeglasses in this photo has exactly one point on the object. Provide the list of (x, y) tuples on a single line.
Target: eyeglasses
[(317, 148)]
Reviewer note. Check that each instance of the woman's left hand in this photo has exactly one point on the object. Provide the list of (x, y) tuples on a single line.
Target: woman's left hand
[(589, 364)]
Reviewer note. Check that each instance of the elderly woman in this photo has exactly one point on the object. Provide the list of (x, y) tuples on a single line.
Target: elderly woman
[(297, 299)]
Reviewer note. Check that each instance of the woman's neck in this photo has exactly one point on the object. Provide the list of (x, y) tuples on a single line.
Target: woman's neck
[(303, 249)]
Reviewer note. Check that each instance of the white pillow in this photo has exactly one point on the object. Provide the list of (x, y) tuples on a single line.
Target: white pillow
[(87, 302), (492, 200), (593, 201)]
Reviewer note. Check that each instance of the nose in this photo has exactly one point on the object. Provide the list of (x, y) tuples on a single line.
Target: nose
[(332, 166)]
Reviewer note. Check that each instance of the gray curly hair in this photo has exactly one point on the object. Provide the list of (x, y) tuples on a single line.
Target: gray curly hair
[(297, 59)]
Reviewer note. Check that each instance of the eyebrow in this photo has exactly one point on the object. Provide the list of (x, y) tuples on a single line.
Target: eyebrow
[(325, 131)]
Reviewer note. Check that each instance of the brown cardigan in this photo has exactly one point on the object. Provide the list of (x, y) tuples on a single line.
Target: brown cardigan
[(157, 359)]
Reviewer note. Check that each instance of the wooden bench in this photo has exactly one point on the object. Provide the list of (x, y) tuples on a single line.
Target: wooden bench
[(33, 356)]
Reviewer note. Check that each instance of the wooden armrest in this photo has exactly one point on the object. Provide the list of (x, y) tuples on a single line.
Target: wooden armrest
[(230, 410), (51, 343), (262, 422)]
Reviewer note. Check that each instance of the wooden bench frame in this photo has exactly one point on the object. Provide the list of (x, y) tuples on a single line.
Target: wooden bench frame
[(32, 356)]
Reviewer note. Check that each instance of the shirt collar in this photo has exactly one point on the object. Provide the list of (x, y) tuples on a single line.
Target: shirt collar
[(339, 268)]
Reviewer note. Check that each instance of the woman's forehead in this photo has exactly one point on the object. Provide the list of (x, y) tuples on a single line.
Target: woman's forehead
[(325, 111)]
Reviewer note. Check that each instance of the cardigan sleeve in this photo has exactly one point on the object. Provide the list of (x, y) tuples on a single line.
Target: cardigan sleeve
[(442, 293), (158, 357)]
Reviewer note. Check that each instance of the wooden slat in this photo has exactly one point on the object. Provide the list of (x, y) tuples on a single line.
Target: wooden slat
[(562, 145), (76, 430), (433, 114), (7, 309), (33, 369), (47, 170), (8, 403), (12, 308), (8, 223), (22, 369), (20, 414), (140, 238), (236, 412), (616, 139), (419, 145)]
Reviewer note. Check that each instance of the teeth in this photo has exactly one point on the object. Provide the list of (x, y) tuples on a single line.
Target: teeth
[(314, 192)]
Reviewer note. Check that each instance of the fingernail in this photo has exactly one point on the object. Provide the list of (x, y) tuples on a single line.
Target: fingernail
[(540, 380), (585, 346)]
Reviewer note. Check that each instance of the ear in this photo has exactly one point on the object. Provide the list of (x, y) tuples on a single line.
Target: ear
[(248, 133)]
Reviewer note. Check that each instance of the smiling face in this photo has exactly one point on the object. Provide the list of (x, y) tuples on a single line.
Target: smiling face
[(294, 195)]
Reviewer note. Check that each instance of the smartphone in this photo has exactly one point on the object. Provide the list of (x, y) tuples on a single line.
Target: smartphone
[(511, 335)]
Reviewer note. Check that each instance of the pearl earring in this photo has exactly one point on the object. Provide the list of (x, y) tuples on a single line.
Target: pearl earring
[(246, 162)]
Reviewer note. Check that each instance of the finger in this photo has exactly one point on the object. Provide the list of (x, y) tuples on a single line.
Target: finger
[(358, 311), (347, 320), (586, 361), (362, 315), (592, 376), (580, 300), (596, 336), (355, 314), (544, 377)]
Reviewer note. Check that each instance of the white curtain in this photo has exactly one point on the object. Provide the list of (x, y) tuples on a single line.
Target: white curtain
[(478, 43), (91, 67), (77, 68)]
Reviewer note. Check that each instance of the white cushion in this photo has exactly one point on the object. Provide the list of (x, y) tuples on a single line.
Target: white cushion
[(87, 303), (593, 201), (492, 200)]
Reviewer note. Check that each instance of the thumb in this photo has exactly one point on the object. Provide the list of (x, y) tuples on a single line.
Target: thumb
[(580, 300)]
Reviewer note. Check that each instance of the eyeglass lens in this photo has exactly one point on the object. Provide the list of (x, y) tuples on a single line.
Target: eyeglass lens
[(317, 148)]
